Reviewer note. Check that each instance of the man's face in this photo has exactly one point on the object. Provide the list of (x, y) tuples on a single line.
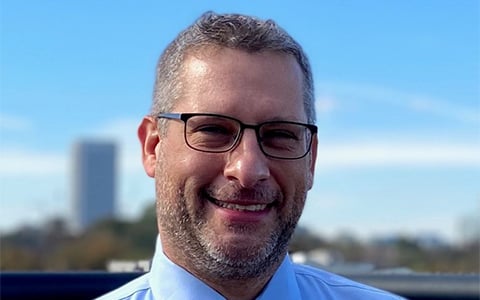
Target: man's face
[(230, 214)]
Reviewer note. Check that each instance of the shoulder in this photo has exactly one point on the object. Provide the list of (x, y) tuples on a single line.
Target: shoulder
[(312, 281), (139, 288)]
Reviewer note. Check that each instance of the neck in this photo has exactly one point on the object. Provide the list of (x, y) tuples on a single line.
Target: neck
[(240, 289), (230, 288)]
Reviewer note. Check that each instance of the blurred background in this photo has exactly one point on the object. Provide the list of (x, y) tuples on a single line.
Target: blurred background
[(397, 89)]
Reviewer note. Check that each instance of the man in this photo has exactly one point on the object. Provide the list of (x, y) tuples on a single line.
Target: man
[(231, 144)]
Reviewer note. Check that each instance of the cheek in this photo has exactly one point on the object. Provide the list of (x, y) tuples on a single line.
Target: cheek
[(294, 184), (200, 166), (293, 178), (190, 168)]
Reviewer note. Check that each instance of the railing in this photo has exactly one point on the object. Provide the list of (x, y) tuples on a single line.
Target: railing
[(425, 286), (88, 285)]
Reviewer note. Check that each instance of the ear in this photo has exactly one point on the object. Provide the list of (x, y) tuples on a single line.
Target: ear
[(313, 159), (149, 138)]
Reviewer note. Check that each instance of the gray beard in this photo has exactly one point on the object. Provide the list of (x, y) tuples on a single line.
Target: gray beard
[(191, 235), (251, 262)]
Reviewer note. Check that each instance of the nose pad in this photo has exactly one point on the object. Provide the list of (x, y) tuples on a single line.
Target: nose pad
[(246, 163)]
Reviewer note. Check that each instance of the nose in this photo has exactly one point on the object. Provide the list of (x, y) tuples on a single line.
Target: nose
[(246, 163)]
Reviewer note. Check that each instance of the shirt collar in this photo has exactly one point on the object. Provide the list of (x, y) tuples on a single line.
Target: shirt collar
[(283, 284)]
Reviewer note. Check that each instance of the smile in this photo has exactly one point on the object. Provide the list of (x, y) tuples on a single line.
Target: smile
[(238, 207)]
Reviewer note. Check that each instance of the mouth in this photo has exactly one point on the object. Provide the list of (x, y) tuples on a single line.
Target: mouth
[(239, 207)]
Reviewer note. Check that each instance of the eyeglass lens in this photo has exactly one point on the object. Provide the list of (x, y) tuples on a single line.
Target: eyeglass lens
[(219, 134)]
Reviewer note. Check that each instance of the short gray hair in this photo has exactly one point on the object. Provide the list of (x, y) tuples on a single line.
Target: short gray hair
[(231, 31)]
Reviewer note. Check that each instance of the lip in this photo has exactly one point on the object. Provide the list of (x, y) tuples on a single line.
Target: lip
[(240, 212)]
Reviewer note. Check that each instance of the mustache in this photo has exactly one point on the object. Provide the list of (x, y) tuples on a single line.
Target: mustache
[(234, 192)]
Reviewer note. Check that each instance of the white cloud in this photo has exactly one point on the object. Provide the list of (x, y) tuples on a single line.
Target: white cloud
[(336, 93), (325, 104), (444, 109), (29, 163), (388, 154), (124, 133), (24, 161), (14, 123)]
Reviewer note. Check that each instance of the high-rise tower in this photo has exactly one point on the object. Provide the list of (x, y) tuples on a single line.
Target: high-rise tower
[(94, 182)]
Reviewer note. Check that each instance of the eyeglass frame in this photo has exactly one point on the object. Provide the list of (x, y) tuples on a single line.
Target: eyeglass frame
[(186, 116)]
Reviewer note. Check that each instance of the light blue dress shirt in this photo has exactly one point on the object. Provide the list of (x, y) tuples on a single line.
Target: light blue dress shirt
[(167, 280)]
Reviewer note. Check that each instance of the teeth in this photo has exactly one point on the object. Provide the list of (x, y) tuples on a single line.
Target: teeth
[(255, 207)]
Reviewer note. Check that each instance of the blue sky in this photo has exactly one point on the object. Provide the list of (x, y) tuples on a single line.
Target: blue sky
[(397, 88)]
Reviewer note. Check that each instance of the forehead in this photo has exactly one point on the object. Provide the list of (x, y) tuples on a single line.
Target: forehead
[(263, 85)]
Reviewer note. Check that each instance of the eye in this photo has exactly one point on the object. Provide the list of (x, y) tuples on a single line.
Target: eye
[(283, 131), (212, 129), (279, 134)]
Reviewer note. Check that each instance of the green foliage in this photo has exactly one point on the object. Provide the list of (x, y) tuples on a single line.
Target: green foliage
[(54, 248)]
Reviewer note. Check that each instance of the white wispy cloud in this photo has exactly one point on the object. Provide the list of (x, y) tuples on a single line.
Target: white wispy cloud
[(325, 104), (334, 94), (14, 123), (357, 155), (24, 162), (124, 132)]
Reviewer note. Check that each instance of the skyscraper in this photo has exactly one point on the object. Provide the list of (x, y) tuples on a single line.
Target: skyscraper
[(94, 182)]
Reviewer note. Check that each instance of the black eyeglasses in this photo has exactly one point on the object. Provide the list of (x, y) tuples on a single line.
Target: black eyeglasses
[(216, 133)]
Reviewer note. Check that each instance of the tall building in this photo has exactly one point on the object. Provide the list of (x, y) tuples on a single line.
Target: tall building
[(94, 182)]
